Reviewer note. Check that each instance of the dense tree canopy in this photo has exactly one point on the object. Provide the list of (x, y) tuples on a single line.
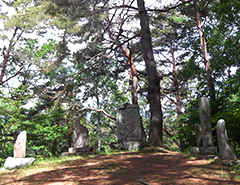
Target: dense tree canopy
[(66, 59)]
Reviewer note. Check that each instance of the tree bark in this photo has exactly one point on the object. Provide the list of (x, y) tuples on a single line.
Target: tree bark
[(70, 130), (204, 52), (155, 133), (55, 142), (99, 132), (133, 76), (182, 145), (115, 39), (7, 55)]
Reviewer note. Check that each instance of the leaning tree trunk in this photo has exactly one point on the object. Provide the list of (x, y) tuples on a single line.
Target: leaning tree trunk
[(133, 75), (6, 55), (155, 134), (204, 52)]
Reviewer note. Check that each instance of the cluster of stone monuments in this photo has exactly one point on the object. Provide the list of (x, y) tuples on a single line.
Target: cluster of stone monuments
[(203, 133), (130, 132), (131, 136)]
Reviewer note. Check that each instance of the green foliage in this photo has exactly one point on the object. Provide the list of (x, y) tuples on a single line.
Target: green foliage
[(46, 130), (11, 120), (42, 130), (42, 52), (187, 120), (178, 19), (227, 108), (28, 14)]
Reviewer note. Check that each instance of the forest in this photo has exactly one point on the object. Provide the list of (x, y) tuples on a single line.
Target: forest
[(62, 59)]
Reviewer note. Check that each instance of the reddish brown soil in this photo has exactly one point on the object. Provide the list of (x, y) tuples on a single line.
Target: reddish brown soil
[(128, 168)]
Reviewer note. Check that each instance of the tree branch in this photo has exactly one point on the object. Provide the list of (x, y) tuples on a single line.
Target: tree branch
[(153, 10), (168, 133), (97, 110), (112, 129), (145, 183), (18, 72)]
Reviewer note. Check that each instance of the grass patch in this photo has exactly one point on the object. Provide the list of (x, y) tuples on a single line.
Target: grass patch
[(153, 149), (143, 172), (115, 166)]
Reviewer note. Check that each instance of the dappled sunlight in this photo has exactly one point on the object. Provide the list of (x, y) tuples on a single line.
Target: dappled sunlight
[(153, 167)]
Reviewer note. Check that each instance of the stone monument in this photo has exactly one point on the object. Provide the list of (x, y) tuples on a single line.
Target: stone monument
[(19, 152), (198, 134), (80, 135), (20, 145), (207, 148), (205, 120), (80, 140), (225, 149), (130, 130)]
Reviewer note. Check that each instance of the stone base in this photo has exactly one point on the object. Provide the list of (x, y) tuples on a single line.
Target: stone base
[(205, 157), (65, 154), (210, 150), (127, 145), (2, 169), (76, 150), (12, 162)]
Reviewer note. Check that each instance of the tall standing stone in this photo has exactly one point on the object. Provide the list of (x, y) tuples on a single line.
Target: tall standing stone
[(225, 149), (129, 125), (20, 145), (205, 120), (80, 140), (204, 132), (80, 135)]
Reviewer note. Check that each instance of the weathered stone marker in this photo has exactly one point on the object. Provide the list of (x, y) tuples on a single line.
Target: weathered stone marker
[(129, 126), (225, 149), (19, 153), (80, 135), (80, 138), (204, 132), (205, 120), (20, 145), (130, 130)]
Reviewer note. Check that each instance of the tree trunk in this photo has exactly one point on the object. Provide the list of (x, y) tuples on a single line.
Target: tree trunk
[(155, 133), (133, 75), (176, 83), (70, 130), (7, 54), (182, 145), (204, 52), (54, 145), (99, 123), (99, 132)]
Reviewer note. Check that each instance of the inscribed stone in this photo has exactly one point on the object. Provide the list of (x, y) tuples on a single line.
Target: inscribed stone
[(205, 120), (80, 135), (129, 125), (20, 145)]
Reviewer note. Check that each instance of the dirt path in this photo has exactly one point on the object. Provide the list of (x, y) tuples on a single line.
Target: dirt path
[(149, 167)]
